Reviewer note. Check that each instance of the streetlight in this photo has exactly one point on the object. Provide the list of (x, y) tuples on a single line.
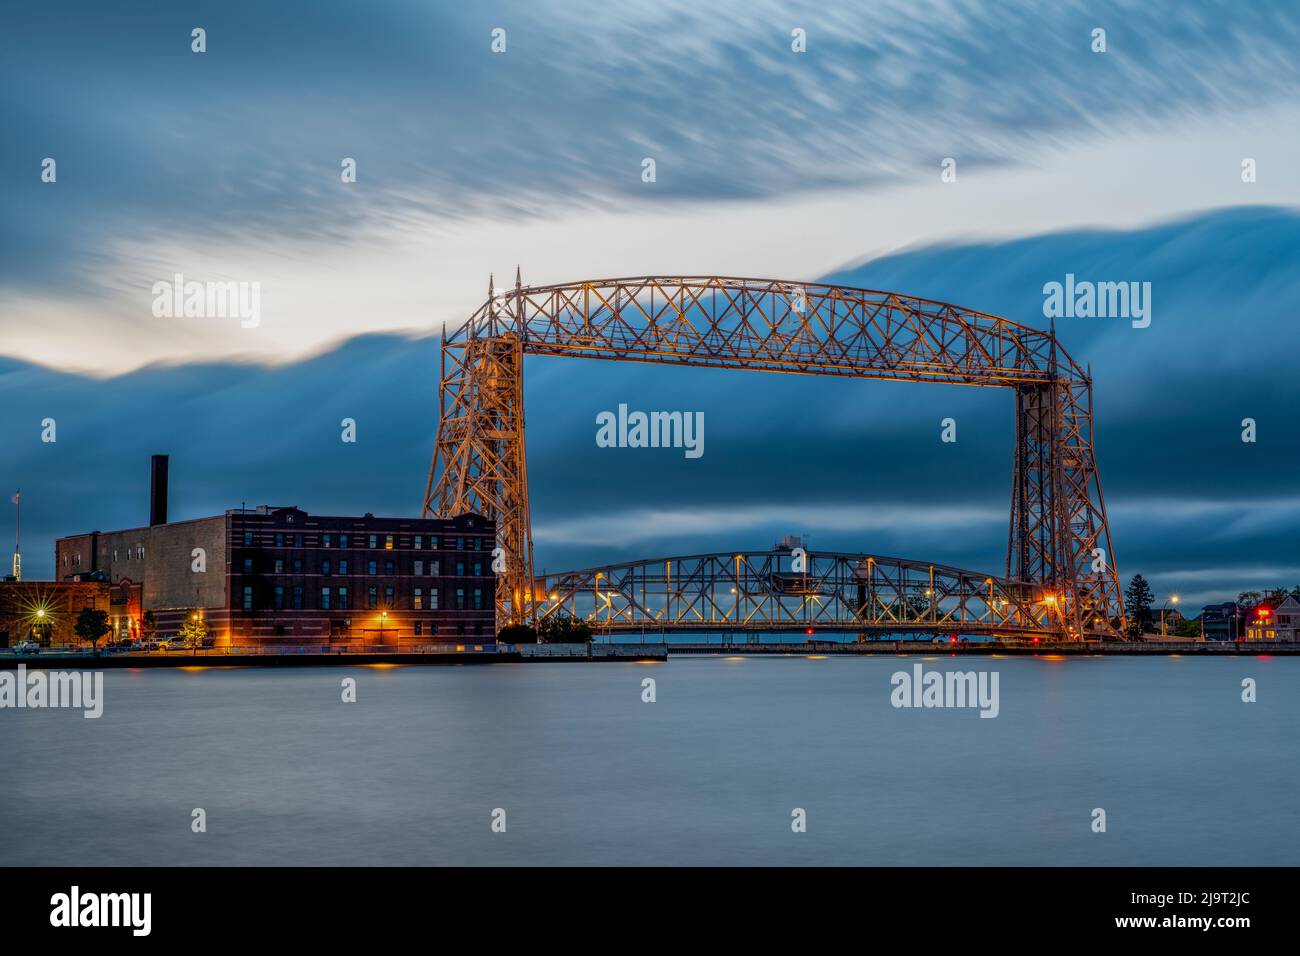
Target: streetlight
[(1173, 599)]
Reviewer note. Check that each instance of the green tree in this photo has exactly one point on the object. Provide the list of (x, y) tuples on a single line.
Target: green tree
[(147, 626), (92, 624), (562, 629), (517, 634), (1137, 602), (1249, 598), (1188, 627), (194, 631)]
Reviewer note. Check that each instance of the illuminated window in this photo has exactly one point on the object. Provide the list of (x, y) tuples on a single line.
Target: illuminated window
[(248, 598), (374, 541), (417, 600), (388, 542)]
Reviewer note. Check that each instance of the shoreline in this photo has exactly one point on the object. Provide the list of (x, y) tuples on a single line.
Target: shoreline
[(637, 653)]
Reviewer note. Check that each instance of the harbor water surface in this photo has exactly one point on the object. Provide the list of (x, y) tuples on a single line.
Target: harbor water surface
[(711, 772)]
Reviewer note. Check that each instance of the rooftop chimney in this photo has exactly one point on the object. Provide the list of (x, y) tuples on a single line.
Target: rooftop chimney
[(157, 490)]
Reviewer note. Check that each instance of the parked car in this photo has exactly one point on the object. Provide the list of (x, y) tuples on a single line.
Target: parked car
[(27, 647)]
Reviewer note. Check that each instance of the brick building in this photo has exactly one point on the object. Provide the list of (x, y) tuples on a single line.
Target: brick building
[(282, 575), (46, 611)]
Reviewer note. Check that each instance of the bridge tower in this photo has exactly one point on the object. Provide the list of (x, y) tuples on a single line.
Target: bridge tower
[(1059, 550)]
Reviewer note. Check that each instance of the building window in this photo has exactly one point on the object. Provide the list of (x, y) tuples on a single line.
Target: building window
[(434, 566), (417, 599), (419, 542), (325, 568), (279, 565), (343, 541), (297, 540), (388, 542), (388, 568), (343, 599), (279, 598), (460, 543), (248, 598), (297, 565), (324, 599), (478, 569), (325, 540), (433, 541), (279, 539), (388, 596), (460, 599), (372, 597), (374, 541), (433, 627), (297, 597), (248, 565), (343, 566), (139, 551), (433, 599), (374, 567), (419, 568), (248, 539), (460, 569), (419, 628), (478, 599)]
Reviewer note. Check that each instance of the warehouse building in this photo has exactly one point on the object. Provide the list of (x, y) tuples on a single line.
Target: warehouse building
[(280, 575)]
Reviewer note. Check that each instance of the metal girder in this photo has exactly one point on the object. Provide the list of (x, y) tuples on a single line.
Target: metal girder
[(1058, 533), (761, 591)]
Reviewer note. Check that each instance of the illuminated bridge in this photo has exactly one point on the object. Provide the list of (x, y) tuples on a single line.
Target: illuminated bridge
[(1059, 575), (792, 590)]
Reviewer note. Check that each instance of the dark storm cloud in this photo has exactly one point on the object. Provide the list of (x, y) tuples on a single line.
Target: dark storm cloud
[(246, 139)]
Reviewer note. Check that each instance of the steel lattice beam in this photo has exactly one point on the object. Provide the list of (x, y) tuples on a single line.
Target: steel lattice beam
[(759, 591), (1058, 539)]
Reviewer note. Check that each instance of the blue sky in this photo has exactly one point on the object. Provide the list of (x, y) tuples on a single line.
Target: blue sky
[(225, 166)]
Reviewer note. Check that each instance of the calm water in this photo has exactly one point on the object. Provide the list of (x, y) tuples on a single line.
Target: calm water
[(589, 774)]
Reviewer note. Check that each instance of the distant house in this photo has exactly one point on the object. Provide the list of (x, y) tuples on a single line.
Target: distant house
[(1274, 620), (1224, 622)]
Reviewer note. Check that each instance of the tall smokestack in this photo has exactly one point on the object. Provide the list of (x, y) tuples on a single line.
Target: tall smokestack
[(158, 490)]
